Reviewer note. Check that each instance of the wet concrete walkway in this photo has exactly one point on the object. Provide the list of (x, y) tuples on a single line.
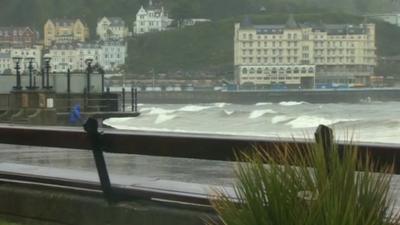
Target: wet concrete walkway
[(193, 176)]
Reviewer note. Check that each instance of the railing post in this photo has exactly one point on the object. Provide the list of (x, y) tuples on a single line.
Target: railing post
[(123, 99), (91, 127), (324, 138), (69, 89), (132, 100), (136, 100)]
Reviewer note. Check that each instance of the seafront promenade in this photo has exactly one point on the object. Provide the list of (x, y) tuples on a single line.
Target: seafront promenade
[(153, 177)]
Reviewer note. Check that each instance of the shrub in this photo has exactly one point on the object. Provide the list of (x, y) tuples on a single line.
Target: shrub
[(335, 188)]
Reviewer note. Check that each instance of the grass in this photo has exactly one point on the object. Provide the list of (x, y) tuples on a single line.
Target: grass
[(339, 189)]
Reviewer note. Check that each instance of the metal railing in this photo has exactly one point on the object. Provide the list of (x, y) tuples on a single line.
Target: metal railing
[(180, 145)]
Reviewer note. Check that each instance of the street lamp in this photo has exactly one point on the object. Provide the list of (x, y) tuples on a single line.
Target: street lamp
[(30, 67), (17, 60), (89, 70), (47, 66), (69, 78)]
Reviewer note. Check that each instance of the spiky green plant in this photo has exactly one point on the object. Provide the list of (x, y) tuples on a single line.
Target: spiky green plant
[(322, 189)]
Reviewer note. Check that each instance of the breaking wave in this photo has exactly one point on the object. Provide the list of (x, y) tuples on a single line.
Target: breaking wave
[(193, 108), (280, 119), (314, 121), (163, 118), (229, 112), (257, 113), (157, 111), (291, 103), (263, 103), (221, 104)]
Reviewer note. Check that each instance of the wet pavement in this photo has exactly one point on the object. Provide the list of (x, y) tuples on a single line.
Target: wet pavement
[(165, 168), (131, 170)]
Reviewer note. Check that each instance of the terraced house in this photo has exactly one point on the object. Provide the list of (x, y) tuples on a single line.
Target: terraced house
[(65, 31), (302, 55), (18, 36), (111, 28)]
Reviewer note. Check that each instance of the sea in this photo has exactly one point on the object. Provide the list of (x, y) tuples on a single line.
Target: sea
[(368, 121)]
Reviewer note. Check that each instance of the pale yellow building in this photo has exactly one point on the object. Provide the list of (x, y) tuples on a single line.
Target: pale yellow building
[(65, 31), (300, 55)]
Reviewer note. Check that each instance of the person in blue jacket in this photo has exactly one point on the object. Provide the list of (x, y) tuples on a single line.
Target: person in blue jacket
[(75, 115)]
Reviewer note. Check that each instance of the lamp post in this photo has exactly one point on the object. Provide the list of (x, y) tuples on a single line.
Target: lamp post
[(17, 60), (88, 72), (30, 67), (47, 60), (69, 79), (34, 79)]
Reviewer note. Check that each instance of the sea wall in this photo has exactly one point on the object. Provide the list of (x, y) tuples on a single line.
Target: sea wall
[(67, 207)]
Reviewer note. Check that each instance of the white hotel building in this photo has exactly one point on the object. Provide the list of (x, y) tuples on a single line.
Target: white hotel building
[(151, 19), (110, 55), (302, 55), (25, 53)]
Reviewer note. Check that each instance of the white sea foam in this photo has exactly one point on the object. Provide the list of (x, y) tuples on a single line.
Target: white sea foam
[(229, 112), (163, 118), (119, 120), (279, 119), (193, 108), (158, 111), (257, 113), (314, 121), (263, 103), (291, 103), (221, 104)]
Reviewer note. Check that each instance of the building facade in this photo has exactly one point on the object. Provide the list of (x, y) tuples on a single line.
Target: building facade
[(114, 54), (151, 19), (26, 54), (18, 36), (392, 18), (110, 55), (193, 21), (63, 56), (111, 28), (65, 31), (5, 63), (302, 55)]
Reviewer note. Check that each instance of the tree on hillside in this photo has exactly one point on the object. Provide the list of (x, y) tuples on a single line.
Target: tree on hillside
[(183, 9)]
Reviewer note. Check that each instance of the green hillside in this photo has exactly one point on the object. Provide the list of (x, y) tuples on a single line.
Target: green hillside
[(36, 12)]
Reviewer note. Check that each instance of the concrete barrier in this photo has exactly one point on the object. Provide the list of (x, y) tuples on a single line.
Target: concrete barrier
[(65, 207)]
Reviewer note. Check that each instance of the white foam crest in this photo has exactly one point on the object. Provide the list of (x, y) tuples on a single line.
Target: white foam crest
[(118, 120), (221, 104), (158, 111), (257, 113), (291, 103), (163, 118), (314, 121), (228, 112), (263, 103), (279, 119), (193, 108)]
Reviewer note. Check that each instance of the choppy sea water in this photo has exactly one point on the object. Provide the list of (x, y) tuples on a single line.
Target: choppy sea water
[(367, 122)]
